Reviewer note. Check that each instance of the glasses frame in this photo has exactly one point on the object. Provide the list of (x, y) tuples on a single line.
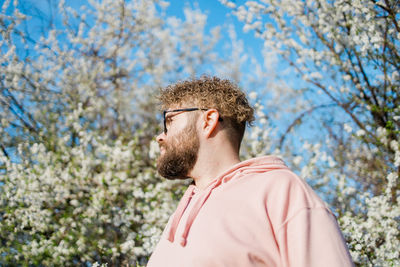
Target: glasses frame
[(182, 110)]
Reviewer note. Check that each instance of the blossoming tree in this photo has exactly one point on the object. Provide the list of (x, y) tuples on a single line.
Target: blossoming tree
[(77, 111), (346, 57)]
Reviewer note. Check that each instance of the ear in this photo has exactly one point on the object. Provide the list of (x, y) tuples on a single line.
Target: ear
[(210, 121)]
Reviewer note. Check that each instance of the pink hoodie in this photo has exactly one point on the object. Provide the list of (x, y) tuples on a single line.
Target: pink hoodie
[(258, 213)]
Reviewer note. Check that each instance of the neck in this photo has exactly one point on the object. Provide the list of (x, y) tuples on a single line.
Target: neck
[(213, 162)]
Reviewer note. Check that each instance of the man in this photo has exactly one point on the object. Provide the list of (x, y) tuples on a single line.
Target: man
[(251, 213)]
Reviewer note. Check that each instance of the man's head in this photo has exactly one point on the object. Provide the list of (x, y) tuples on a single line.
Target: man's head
[(208, 95)]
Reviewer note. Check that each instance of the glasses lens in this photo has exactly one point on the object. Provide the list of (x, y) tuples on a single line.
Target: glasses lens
[(165, 123), (177, 110)]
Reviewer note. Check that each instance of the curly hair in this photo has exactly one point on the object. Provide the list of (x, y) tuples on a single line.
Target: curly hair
[(212, 92)]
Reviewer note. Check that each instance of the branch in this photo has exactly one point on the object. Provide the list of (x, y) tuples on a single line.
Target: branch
[(21, 108), (25, 123), (346, 109), (392, 15), (298, 119), (4, 151)]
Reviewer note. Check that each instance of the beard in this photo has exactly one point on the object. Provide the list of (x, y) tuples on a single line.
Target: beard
[(180, 155)]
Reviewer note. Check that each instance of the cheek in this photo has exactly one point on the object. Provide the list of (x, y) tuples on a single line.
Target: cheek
[(169, 143), (181, 124)]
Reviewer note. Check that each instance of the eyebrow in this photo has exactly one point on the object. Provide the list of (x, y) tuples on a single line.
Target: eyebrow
[(172, 114)]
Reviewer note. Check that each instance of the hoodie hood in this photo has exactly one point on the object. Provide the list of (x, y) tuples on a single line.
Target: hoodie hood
[(251, 166)]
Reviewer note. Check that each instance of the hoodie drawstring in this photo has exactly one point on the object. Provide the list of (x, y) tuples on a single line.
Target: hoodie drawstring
[(179, 212), (195, 210)]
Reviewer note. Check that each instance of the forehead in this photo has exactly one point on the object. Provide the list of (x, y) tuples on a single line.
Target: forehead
[(173, 107), (183, 103)]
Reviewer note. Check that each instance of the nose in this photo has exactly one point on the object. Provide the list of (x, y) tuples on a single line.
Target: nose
[(160, 138)]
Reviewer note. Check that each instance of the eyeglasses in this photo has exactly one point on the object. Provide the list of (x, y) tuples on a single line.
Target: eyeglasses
[(180, 110)]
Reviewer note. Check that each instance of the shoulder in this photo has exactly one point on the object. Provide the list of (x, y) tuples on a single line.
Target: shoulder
[(285, 194), (284, 183)]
